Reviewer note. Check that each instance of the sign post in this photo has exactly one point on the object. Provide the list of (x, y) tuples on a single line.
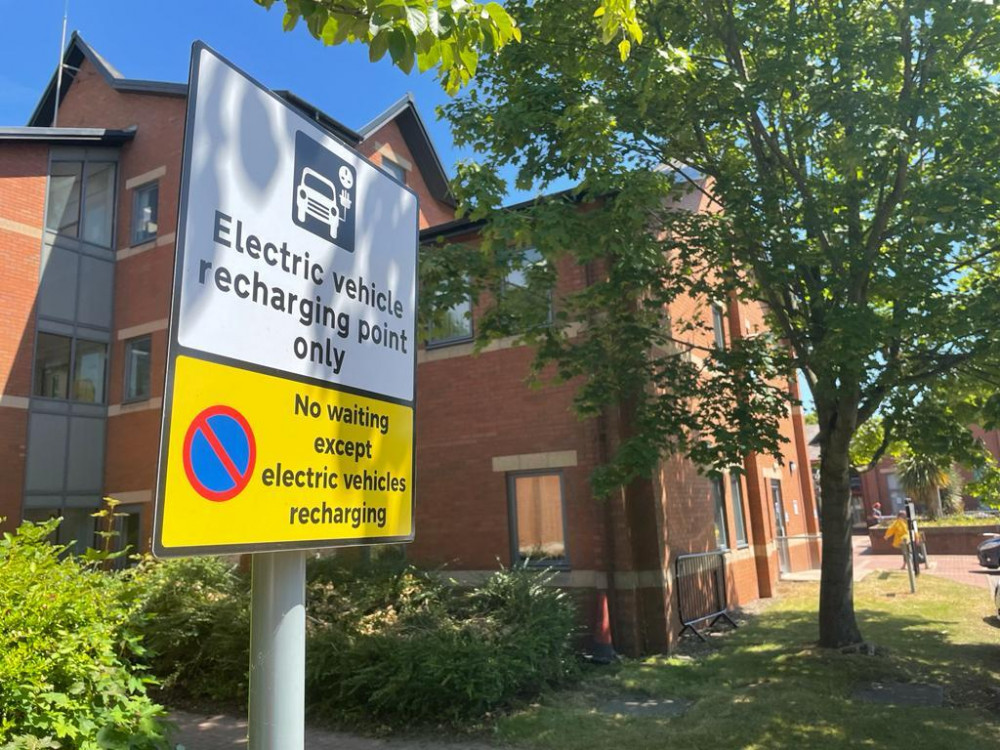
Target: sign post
[(288, 415)]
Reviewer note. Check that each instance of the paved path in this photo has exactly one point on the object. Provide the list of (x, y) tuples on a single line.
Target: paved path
[(219, 732), (960, 568)]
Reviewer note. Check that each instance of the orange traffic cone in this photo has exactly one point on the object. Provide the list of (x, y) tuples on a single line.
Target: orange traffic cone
[(603, 651)]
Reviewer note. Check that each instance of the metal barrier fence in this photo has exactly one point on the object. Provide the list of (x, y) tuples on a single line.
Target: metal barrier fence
[(702, 595)]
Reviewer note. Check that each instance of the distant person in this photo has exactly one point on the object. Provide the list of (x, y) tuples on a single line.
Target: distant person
[(899, 534), (876, 515)]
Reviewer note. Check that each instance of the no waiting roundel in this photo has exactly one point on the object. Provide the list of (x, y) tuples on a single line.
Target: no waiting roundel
[(219, 453)]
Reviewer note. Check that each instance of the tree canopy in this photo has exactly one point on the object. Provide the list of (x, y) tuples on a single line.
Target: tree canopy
[(849, 154)]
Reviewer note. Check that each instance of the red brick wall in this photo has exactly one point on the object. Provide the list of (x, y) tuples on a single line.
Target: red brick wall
[(432, 211), (23, 170)]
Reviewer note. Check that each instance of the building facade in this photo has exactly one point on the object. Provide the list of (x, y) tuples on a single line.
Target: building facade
[(88, 212)]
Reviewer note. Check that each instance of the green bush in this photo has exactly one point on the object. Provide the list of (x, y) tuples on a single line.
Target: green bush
[(195, 621), (401, 648), (68, 677), (385, 641)]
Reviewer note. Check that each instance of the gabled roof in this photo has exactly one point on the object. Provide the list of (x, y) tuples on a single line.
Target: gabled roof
[(76, 136), (315, 113), (78, 51), (403, 112), (408, 119)]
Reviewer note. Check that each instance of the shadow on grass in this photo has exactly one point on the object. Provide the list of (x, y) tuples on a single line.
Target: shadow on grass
[(767, 685)]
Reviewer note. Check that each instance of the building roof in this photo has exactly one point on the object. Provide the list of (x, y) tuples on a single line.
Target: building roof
[(403, 112), (78, 136), (411, 125), (78, 50)]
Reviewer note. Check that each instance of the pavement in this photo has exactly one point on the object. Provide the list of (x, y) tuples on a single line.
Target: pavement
[(219, 732), (959, 568)]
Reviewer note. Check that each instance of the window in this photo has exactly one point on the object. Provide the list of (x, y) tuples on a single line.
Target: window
[(718, 499), (52, 355), (81, 200), (450, 325), (739, 519), (396, 170), (537, 518), (60, 361), (64, 198), (719, 326), (145, 201), (89, 362), (137, 371), (530, 306), (77, 530)]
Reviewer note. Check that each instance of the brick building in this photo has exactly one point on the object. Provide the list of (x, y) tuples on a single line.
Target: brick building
[(88, 211)]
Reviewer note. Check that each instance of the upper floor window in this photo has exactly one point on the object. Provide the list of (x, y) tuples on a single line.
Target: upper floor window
[(70, 368), (719, 503), (81, 200), (451, 325), (137, 370), (396, 170), (531, 306), (145, 209), (719, 326)]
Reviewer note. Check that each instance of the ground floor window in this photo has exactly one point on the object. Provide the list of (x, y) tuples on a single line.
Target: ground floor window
[(739, 518), (77, 530), (538, 518), (719, 501)]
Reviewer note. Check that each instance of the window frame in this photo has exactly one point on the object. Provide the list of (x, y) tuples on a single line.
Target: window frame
[(719, 505), (127, 370), (134, 238), (71, 377), (35, 365), (515, 553), (736, 503), (506, 284), (85, 161), (718, 326), (390, 165), (430, 343)]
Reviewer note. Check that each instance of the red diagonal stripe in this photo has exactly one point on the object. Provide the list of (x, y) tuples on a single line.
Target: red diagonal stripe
[(220, 452)]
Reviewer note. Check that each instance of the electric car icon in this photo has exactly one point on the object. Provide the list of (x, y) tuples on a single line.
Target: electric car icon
[(316, 196)]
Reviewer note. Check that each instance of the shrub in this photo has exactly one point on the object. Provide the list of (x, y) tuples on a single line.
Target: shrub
[(421, 652), (67, 650), (195, 620), (385, 641)]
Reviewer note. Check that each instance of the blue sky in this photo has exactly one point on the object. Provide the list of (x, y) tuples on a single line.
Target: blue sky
[(152, 40)]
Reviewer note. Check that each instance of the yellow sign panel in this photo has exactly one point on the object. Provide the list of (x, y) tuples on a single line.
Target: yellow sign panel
[(254, 459)]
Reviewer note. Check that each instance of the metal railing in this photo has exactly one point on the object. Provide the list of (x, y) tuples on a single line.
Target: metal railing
[(702, 595)]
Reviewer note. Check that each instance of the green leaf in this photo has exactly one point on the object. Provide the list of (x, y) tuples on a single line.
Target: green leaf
[(378, 46)]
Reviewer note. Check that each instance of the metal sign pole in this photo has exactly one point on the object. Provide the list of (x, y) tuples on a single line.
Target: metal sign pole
[(278, 651)]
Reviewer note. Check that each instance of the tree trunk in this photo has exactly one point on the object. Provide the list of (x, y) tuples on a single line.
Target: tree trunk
[(838, 626), (932, 501)]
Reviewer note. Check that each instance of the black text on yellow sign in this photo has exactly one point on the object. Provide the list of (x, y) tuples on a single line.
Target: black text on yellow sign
[(260, 460)]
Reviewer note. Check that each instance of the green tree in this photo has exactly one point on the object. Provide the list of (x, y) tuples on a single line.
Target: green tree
[(448, 36), (923, 477), (852, 152)]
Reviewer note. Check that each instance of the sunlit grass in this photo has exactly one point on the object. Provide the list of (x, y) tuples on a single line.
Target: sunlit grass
[(766, 685)]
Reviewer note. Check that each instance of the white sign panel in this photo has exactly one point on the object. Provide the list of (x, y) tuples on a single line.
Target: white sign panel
[(299, 256)]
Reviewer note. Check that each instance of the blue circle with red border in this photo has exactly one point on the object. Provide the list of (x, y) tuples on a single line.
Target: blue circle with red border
[(219, 453)]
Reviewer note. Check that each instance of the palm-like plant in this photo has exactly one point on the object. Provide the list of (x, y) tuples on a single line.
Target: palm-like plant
[(923, 476)]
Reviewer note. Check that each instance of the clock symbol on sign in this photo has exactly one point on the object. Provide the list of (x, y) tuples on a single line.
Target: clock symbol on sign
[(346, 178)]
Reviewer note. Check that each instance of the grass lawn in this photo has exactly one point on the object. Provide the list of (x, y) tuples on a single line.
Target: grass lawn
[(766, 686)]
